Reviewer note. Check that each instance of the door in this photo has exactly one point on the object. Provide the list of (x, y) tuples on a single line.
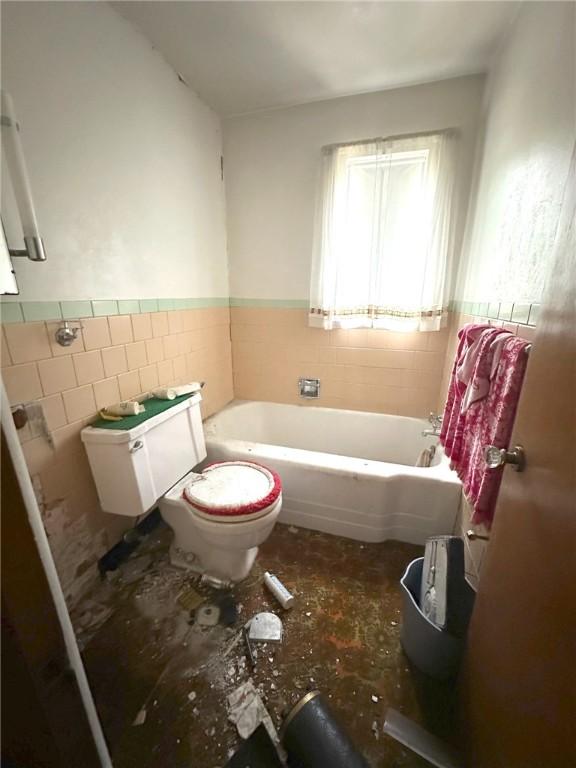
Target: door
[(44, 724), (519, 681)]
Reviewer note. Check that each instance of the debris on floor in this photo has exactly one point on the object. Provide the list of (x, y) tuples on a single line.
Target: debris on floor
[(284, 597), (140, 718), (177, 674), (265, 628), (208, 615), (249, 651), (247, 711), (133, 568), (190, 599)]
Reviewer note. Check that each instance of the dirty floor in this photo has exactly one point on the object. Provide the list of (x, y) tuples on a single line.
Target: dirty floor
[(147, 660)]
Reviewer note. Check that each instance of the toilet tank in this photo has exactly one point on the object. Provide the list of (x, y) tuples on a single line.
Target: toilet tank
[(134, 468)]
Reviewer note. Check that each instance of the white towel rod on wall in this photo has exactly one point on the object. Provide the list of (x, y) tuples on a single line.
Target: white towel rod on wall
[(33, 244)]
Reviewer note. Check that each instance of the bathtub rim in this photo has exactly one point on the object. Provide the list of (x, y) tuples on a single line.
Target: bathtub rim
[(331, 462)]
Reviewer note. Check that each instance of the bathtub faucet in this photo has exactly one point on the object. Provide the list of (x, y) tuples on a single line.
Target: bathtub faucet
[(436, 422)]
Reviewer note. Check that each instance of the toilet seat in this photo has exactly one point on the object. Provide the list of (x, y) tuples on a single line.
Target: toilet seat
[(233, 492)]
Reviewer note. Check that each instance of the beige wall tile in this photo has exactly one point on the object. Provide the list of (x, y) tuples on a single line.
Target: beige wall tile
[(39, 455), (159, 323), (22, 383), (141, 326), (421, 379), (180, 369), (154, 350), (96, 333), (338, 338), (175, 321), (375, 357), (5, 358), (392, 377), (417, 402), (427, 361), (193, 365), (303, 354), (79, 403), (67, 440), (88, 367), (327, 355), (197, 338), (171, 346), (107, 392), (363, 369), (120, 329), (408, 341), (188, 319), (249, 332), (129, 384), (65, 474), (437, 340), (83, 500), (165, 372), (184, 343), (54, 413), (27, 342), (527, 332), (136, 355), (114, 359), (57, 375), (148, 378)]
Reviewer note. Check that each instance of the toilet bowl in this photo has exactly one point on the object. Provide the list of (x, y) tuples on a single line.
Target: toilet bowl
[(221, 516)]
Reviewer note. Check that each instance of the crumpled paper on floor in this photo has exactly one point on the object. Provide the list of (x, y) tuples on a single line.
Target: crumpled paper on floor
[(246, 710)]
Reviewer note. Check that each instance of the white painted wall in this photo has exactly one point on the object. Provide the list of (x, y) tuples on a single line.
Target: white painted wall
[(530, 131), (272, 160), (124, 159)]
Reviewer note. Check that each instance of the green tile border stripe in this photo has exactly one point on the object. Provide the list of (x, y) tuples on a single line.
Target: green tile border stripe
[(271, 303), (34, 311), (11, 312), (72, 310), (41, 310), (31, 311), (521, 313), (104, 307)]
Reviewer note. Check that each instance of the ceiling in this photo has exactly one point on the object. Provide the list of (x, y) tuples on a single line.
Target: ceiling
[(245, 56)]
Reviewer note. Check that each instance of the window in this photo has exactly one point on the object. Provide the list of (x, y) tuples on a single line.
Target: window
[(382, 248)]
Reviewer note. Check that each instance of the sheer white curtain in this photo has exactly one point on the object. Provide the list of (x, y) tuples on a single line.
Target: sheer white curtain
[(382, 249)]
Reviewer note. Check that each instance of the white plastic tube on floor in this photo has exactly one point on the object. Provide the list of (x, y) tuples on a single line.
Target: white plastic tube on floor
[(45, 553)]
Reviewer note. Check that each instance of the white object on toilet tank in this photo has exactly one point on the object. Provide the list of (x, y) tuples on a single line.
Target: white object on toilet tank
[(134, 468)]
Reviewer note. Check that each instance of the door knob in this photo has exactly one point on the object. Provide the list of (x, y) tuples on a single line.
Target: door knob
[(497, 457)]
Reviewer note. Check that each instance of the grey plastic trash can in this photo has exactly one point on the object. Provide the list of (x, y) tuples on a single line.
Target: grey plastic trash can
[(434, 651)]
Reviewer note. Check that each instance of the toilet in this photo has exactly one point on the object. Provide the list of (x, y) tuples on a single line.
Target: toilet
[(219, 516)]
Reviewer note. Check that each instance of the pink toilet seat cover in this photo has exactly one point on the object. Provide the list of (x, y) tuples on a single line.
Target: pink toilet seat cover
[(234, 489)]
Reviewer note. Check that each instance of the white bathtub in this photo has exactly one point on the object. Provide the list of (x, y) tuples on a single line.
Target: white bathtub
[(348, 473)]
